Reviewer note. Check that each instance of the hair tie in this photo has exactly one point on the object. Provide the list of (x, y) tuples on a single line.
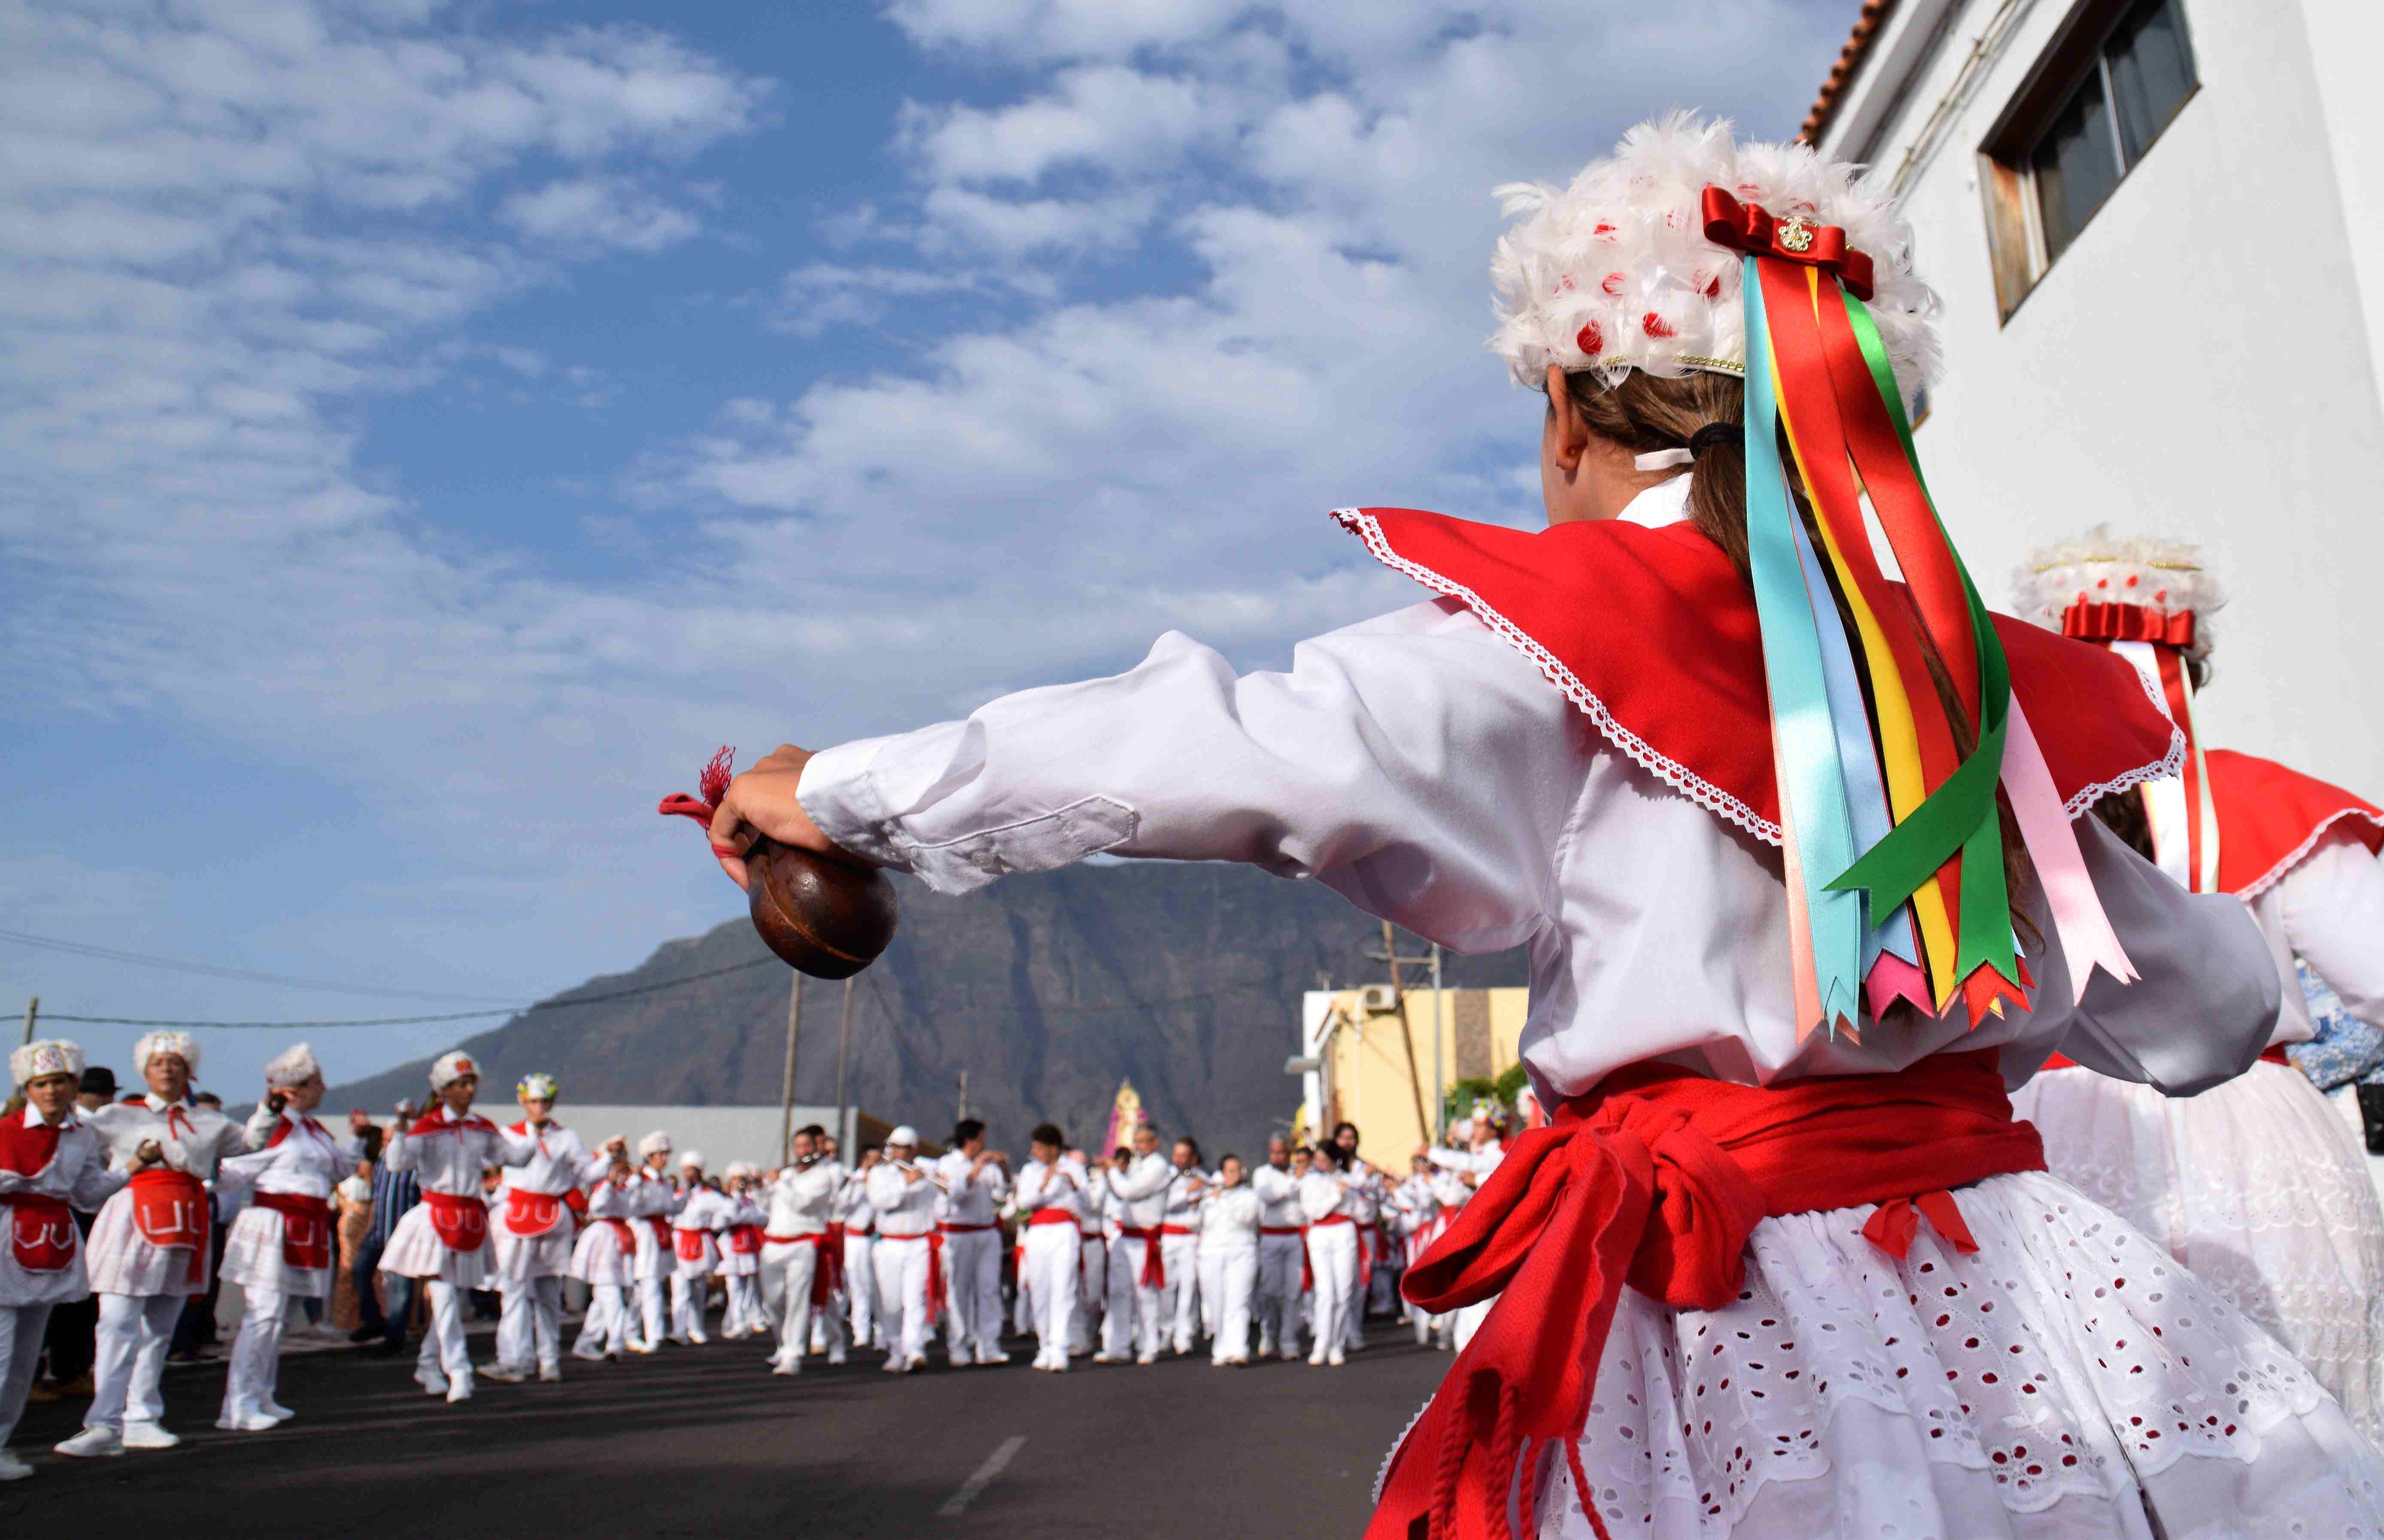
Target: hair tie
[(1714, 433)]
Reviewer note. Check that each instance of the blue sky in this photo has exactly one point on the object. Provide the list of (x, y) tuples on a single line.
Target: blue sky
[(427, 431)]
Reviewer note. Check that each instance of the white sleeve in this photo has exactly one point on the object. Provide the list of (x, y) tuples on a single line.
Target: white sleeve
[(2208, 992), (2334, 919), (1318, 1199), (1417, 764)]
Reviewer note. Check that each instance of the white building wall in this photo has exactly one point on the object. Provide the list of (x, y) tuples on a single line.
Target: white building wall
[(2198, 362)]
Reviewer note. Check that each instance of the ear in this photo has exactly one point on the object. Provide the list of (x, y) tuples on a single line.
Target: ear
[(1572, 427)]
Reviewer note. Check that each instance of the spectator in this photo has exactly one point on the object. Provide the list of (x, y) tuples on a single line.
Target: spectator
[(97, 1090), (384, 1317), (354, 1199)]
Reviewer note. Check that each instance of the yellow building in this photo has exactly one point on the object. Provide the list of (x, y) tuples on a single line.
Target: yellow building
[(1359, 1043)]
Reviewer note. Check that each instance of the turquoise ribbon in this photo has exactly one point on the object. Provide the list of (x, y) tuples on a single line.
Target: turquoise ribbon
[(1813, 801)]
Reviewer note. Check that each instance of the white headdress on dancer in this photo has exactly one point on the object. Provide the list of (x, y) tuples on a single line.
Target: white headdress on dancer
[(1616, 272), (906, 1134), (450, 1067), (656, 1143), (181, 1045), (50, 1056), (692, 1158), (293, 1066), (538, 1086), (2103, 587)]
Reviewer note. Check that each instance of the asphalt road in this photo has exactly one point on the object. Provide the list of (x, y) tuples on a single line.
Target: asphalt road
[(703, 1442)]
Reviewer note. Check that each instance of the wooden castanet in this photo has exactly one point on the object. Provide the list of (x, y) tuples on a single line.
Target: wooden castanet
[(825, 918)]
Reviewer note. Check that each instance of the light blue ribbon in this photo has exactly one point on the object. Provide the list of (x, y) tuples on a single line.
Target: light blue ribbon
[(1805, 730)]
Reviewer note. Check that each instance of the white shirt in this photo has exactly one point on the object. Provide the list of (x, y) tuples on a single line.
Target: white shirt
[(1425, 768), (309, 1162), (611, 1199), (450, 1156), (1229, 1220), (193, 1138), (802, 1200), (1279, 1198), (77, 1174), (1062, 1185), (1138, 1194), (549, 1160), (853, 1205), (1184, 1197), (971, 1201), (702, 1208), (1323, 1194), (903, 1207), (2329, 909)]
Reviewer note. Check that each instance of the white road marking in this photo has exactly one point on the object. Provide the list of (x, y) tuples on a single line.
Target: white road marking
[(973, 1488)]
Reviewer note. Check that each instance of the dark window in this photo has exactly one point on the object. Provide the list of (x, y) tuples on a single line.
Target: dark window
[(2114, 78)]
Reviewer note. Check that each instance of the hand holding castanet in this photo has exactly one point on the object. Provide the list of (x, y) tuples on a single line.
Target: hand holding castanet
[(825, 917)]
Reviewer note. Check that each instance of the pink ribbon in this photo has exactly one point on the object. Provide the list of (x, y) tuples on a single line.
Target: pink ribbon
[(2087, 939)]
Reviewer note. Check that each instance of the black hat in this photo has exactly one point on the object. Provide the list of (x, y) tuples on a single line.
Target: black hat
[(98, 1080)]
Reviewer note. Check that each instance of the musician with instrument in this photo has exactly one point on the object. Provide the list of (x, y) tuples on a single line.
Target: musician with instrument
[(904, 1194)]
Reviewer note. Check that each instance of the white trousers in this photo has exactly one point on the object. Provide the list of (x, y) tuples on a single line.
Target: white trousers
[(1179, 1317), (1470, 1319), (443, 1350), (133, 1332), (1333, 1256), (861, 1288), (1132, 1323), (901, 1268), (1092, 1295), (529, 1323), (688, 1297), (1047, 1275), (1353, 1322), (786, 1293), (973, 1293), (654, 1312), (744, 1311), (1227, 1279), (20, 1351), (607, 1328), (1277, 1293), (255, 1365)]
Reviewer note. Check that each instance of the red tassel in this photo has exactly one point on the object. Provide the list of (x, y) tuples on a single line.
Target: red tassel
[(712, 784)]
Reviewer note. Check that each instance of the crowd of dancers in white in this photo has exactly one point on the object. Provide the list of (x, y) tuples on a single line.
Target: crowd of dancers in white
[(1116, 1259)]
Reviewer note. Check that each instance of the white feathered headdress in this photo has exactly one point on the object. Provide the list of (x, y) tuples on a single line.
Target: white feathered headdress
[(1615, 272), (50, 1056), (538, 1086), (294, 1065), (2064, 587), (656, 1143), (181, 1045), (450, 1067)]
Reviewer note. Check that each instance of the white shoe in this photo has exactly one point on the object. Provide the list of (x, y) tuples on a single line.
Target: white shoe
[(696, 1339), (548, 1373), (13, 1469), (991, 1355), (895, 1366), (1291, 1355), (460, 1391), (93, 1443), (1109, 1357), (432, 1382), (248, 1420), (640, 1348), (504, 1374), (1146, 1358), (591, 1355), (1334, 1360), (148, 1435), (275, 1409), (1316, 1360), (785, 1366), (834, 1359)]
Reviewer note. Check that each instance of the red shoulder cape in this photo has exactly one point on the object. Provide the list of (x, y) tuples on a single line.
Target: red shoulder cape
[(1653, 634), (2269, 816)]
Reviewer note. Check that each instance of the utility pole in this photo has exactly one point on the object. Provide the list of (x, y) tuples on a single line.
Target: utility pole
[(786, 1088), (963, 1114), (1439, 1096), (1390, 954), (843, 1049), (32, 1014)]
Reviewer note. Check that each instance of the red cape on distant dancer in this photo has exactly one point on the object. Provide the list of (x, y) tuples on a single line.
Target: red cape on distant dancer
[(2270, 817)]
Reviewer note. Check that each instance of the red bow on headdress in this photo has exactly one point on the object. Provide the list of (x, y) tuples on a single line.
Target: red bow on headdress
[(1749, 228), (2128, 623)]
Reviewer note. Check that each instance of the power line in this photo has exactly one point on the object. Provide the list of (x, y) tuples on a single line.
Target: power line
[(419, 1021), (210, 970)]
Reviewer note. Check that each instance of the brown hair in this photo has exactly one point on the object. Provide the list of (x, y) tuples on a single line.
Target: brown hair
[(1645, 413)]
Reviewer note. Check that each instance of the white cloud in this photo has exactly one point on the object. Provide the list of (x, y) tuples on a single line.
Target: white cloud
[(597, 211)]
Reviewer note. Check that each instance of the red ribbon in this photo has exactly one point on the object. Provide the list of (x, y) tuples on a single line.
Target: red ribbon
[(2112, 622), (1154, 1262), (1659, 1179), (1749, 228)]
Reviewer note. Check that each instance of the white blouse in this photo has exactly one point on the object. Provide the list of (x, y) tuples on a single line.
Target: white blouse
[(1425, 769), (802, 1200), (1062, 1186), (448, 1159), (2329, 909), (193, 1138), (309, 1162)]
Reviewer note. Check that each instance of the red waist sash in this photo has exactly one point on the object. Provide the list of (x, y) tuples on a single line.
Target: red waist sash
[(659, 1226), (935, 1239), (689, 1244), (305, 1228), (1154, 1262), (745, 1239), (41, 1230), (169, 1209), (623, 1235), (1659, 1177), (827, 1268), (461, 1224), (532, 1213), (949, 1228)]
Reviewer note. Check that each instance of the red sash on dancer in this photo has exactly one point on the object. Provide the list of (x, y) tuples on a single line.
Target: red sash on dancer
[(1659, 1177), (660, 1227), (827, 1267), (1154, 1263), (305, 1228), (689, 1244), (745, 1240), (462, 1224), (1049, 1216), (42, 1231), (935, 1239), (169, 1209), (532, 1213), (623, 1235)]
